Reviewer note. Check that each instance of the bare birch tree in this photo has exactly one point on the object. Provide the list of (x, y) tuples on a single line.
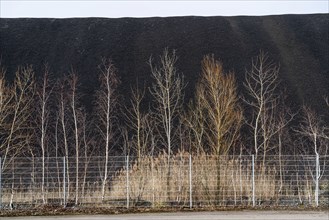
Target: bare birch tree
[(106, 112), (167, 90), (16, 107), (87, 145), (283, 118), (6, 102), (44, 92), (63, 117), (138, 122), (312, 127), (16, 128), (261, 83), (73, 99), (137, 138)]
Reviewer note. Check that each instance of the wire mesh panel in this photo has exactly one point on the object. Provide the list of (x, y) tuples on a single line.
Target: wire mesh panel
[(324, 181), (284, 180), (180, 180), (90, 181), (222, 181), (155, 182), (27, 182)]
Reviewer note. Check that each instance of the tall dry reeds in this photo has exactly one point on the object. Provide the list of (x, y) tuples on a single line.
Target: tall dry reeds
[(148, 182), (143, 182)]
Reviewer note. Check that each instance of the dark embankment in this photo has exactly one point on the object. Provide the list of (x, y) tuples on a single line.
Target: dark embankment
[(299, 43)]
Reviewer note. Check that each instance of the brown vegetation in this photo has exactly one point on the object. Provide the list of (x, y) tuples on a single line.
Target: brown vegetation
[(159, 138)]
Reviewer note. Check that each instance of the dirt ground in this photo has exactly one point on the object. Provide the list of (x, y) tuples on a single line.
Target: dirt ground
[(216, 215)]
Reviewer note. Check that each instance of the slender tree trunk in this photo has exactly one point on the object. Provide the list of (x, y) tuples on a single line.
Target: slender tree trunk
[(168, 93), (43, 151), (106, 104), (280, 164), (76, 149), (56, 158), (62, 113), (168, 119), (107, 141), (256, 133)]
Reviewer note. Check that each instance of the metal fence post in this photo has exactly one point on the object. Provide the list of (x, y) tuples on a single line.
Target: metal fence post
[(64, 183), (0, 183), (317, 170), (190, 180), (153, 188), (127, 180), (253, 180)]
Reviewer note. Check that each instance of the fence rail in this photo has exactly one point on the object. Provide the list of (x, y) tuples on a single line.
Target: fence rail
[(181, 180)]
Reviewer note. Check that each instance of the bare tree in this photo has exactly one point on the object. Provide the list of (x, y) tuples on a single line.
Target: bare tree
[(138, 122), (16, 107), (312, 127), (70, 117), (283, 119), (56, 146), (167, 91), (217, 94), (261, 83), (73, 99), (16, 128), (106, 111), (62, 113), (6, 102), (87, 145), (137, 138), (44, 92)]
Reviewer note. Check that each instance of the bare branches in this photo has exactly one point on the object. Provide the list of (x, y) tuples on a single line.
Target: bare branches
[(167, 91), (107, 102), (44, 91), (6, 97), (139, 124), (217, 94), (196, 121), (16, 107), (73, 97), (261, 83), (313, 128), (106, 107)]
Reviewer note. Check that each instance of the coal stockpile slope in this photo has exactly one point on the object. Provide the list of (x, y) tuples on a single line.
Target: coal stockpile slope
[(299, 43)]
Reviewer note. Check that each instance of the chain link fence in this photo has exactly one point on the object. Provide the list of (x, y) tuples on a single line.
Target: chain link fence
[(179, 181)]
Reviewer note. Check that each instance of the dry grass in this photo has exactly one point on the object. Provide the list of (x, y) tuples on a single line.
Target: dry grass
[(148, 185), (148, 182)]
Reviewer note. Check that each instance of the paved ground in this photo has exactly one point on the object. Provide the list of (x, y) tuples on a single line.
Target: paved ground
[(231, 215)]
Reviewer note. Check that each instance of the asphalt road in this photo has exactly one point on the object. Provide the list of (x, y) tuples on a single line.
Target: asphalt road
[(231, 215)]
